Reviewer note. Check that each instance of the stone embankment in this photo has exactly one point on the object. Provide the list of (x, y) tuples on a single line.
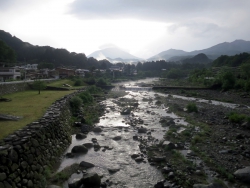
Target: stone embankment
[(26, 154)]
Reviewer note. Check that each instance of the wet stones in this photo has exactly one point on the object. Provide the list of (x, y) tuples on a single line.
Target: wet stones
[(142, 130), (79, 149), (116, 138), (80, 136), (86, 164), (243, 174), (97, 129)]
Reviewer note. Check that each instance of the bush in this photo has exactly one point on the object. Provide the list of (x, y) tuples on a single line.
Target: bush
[(78, 82), (86, 97), (94, 90), (76, 103), (236, 118), (101, 82), (191, 107)]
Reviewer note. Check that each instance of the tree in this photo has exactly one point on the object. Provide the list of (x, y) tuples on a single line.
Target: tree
[(39, 85)]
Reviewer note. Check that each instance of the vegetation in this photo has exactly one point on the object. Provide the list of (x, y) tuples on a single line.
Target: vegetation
[(39, 85), (7, 54), (191, 107), (238, 118), (29, 106)]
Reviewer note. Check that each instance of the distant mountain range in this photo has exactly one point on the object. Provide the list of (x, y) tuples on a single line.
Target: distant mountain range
[(226, 48), (114, 55)]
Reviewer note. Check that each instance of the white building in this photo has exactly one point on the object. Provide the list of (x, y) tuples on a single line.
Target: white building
[(9, 73)]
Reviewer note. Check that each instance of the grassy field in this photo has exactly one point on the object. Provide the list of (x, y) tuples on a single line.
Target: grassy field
[(28, 104), (59, 83)]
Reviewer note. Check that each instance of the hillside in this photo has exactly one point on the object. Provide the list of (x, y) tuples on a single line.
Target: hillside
[(226, 48), (28, 53), (200, 58)]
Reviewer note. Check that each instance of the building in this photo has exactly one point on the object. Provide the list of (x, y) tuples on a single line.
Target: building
[(64, 72), (81, 72), (9, 73)]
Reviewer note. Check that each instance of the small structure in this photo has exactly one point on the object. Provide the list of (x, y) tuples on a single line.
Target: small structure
[(64, 72), (81, 72), (9, 73)]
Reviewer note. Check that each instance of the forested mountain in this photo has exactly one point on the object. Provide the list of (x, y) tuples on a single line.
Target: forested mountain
[(232, 61), (200, 58), (226, 48), (7, 54), (28, 53)]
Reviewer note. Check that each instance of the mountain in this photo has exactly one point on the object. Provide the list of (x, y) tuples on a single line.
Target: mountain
[(28, 53), (166, 55), (200, 58), (225, 48), (114, 55)]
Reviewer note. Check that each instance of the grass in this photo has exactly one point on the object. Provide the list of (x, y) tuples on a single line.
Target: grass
[(59, 83), (28, 104)]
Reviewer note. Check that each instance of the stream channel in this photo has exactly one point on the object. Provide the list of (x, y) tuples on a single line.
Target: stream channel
[(126, 172)]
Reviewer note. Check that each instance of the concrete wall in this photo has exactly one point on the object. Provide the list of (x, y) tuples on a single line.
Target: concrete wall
[(25, 154)]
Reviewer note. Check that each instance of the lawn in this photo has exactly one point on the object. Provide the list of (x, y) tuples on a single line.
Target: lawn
[(59, 83), (28, 104)]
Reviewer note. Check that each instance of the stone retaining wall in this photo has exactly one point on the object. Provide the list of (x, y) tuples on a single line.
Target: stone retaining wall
[(12, 88), (26, 154)]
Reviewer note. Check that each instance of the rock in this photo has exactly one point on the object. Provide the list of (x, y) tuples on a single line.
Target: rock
[(139, 159), (2, 176), (133, 156), (88, 145), (80, 136), (91, 179), (97, 129), (239, 136), (30, 184), (70, 155), (246, 125), (159, 185), (211, 185), (158, 159), (135, 137), (75, 183), (113, 169), (171, 175), (79, 149), (116, 138), (243, 174), (53, 186), (142, 130), (85, 128), (166, 170), (86, 164), (168, 144)]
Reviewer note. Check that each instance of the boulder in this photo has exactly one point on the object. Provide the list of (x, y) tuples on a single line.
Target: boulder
[(169, 145), (91, 179), (86, 164), (113, 169), (139, 159), (243, 174), (88, 145), (116, 138), (133, 156), (142, 130), (85, 128), (97, 129), (74, 183), (79, 149), (80, 136)]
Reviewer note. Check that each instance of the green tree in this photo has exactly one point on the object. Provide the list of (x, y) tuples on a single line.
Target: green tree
[(39, 85)]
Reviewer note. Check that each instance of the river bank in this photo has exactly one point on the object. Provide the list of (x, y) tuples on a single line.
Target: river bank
[(156, 142)]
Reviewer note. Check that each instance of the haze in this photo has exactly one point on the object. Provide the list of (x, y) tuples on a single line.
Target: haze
[(142, 27)]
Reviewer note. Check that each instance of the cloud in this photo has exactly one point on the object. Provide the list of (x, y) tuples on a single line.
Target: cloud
[(160, 10)]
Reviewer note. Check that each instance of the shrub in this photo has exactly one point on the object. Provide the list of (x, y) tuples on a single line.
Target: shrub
[(78, 82), (101, 82), (76, 103), (86, 97), (191, 107), (94, 90), (236, 118)]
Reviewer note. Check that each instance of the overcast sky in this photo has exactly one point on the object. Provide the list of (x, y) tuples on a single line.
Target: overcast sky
[(141, 27)]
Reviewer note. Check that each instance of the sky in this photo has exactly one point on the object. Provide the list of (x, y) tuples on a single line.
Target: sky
[(141, 27)]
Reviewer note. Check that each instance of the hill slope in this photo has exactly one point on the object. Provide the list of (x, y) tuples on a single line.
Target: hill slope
[(226, 48)]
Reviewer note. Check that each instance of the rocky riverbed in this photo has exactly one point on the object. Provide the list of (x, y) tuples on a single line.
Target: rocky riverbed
[(149, 139)]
